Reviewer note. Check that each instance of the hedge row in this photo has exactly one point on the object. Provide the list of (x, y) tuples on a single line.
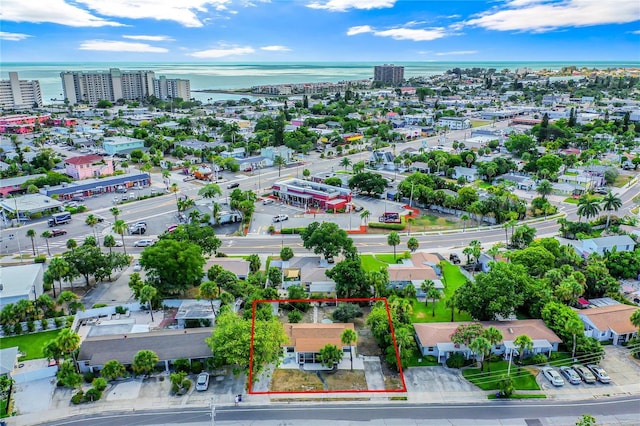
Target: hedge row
[(292, 230), (392, 226)]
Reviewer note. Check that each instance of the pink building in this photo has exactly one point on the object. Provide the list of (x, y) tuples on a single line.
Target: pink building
[(88, 166), (20, 124)]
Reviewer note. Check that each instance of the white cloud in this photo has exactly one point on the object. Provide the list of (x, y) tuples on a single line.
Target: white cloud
[(635, 32), (457, 52), (276, 48), (54, 11), (401, 33), (13, 36), (538, 16), (120, 46), (149, 37), (344, 5), (223, 52), (184, 12)]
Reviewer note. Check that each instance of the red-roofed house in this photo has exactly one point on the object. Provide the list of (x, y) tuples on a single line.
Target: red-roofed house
[(306, 340), (88, 166), (611, 322)]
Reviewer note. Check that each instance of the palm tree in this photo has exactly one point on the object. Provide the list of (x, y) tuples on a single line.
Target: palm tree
[(610, 202), (574, 326), (209, 290), (349, 337), (109, 241), (46, 235), (92, 221), (544, 188), (115, 212), (588, 207), (464, 218), (144, 361), (345, 162), (393, 239), (425, 286), (365, 215), (147, 294), (523, 343), (481, 346), (210, 190), (31, 233), (433, 293), (635, 318), (66, 298), (279, 161), (330, 356), (120, 227), (58, 268), (68, 341), (72, 244), (494, 336)]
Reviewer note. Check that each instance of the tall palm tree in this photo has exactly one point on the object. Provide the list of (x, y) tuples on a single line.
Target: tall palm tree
[(120, 227), (588, 207), (464, 218), (544, 188), (92, 221), (610, 202), (280, 162), (58, 268), (425, 286), (349, 337), (115, 212), (494, 336), (481, 347), (365, 215), (574, 325), (433, 293), (210, 190), (524, 344), (345, 162), (46, 235), (147, 294), (31, 233), (68, 341), (393, 239), (72, 244)]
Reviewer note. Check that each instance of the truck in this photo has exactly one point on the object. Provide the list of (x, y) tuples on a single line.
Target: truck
[(59, 219)]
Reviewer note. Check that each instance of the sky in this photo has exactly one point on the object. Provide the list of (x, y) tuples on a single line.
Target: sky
[(254, 31)]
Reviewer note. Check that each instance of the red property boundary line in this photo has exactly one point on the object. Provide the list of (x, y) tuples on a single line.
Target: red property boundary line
[(348, 300)]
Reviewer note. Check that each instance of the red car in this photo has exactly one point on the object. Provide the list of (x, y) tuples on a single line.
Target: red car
[(57, 232)]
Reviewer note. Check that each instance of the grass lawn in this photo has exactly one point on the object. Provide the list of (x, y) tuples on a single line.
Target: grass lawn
[(3, 408), (622, 180), (482, 184), (453, 279), (373, 262), (520, 396), (419, 360), (524, 380), (29, 344), (478, 123), (431, 221), (571, 200)]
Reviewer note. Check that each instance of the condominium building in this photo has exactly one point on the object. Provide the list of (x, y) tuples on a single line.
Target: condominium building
[(16, 93), (388, 74), (171, 88)]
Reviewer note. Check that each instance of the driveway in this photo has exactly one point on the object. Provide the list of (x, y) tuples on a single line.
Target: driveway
[(24, 393), (439, 384)]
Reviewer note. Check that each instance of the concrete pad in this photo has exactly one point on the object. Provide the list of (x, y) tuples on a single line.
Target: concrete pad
[(373, 373), (26, 403), (437, 379), (126, 390)]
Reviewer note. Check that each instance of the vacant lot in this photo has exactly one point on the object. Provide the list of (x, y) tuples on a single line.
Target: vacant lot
[(295, 381), (345, 380)]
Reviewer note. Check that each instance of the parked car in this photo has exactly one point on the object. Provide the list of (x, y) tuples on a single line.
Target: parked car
[(57, 232), (453, 258), (330, 259), (202, 384), (267, 201), (99, 218), (571, 375), (233, 185), (280, 218), (553, 376), (585, 374), (121, 189), (172, 228), (137, 267), (358, 209), (143, 243), (72, 204), (138, 229), (600, 373), (140, 224)]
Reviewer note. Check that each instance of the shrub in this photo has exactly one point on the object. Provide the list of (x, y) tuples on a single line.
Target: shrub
[(294, 317), (186, 385), (196, 367), (220, 254), (69, 321), (78, 397), (537, 359), (121, 310), (98, 305), (58, 321), (31, 326), (392, 226), (456, 360), (41, 258), (99, 383), (44, 323), (431, 359), (17, 328), (210, 363), (7, 329), (292, 230), (88, 377), (92, 394), (181, 365)]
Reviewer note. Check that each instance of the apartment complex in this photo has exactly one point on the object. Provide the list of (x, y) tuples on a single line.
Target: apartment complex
[(16, 93), (388, 74), (114, 84), (171, 88)]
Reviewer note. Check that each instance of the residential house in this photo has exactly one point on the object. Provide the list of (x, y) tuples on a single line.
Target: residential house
[(422, 266), (234, 153), (8, 360), (21, 282), (169, 345), (121, 145), (306, 340), (520, 181), (435, 338), (239, 267), (469, 174), (611, 322), (603, 245), (88, 166)]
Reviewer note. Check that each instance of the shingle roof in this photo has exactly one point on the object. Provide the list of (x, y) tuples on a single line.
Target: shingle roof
[(614, 317), (84, 159), (167, 344), (313, 337)]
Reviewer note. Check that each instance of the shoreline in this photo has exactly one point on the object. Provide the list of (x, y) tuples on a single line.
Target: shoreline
[(239, 92)]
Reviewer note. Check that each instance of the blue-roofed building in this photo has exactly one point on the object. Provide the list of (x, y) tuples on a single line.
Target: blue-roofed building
[(88, 187)]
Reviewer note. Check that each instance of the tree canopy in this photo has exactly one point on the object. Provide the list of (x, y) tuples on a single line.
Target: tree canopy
[(327, 239), (173, 266)]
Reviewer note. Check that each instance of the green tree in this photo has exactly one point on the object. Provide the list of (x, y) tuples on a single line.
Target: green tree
[(425, 286), (635, 318), (209, 290), (46, 235), (327, 239), (173, 266), (210, 190), (574, 326), (348, 338), (433, 294), (279, 162), (86, 261), (254, 263), (481, 347), (586, 420), (330, 356), (610, 202), (506, 386), (544, 188), (31, 233), (345, 162), (144, 362), (147, 294), (350, 279), (92, 221), (69, 341), (393, 239), (68, 376), (588, 207), (413, 244), (59, 268), (120, 227), (524, 344), (286, 254), (112, 370), (494, 336), (66, 298)]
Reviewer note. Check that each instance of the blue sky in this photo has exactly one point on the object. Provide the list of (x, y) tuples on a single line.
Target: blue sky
[(319, 30)]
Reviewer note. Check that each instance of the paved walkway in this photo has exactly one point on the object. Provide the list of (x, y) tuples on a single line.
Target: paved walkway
[(373, 373)]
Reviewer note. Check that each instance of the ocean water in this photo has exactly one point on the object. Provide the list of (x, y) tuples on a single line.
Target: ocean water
[(240, 75)]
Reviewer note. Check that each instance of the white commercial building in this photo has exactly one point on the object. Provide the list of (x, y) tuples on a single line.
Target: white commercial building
[(16, 93)]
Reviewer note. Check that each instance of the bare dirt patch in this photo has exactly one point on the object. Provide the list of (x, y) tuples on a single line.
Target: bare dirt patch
[(295, 381), (345, 380)]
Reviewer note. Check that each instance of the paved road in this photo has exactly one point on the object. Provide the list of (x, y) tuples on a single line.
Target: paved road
[(625, 410)]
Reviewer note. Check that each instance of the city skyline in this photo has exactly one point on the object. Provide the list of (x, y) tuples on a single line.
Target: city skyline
[(319, 30)]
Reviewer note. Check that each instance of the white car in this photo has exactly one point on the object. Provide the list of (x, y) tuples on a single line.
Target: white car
[(553, 376), (143, 243), (202, 384), (280, 218), (137, 267), (267, 201), (600, 373), (571, 375)]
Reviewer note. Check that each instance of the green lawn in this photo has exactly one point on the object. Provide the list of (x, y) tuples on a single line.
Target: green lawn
[(29, 344), (520, 396), (3, 408), (432, 221), (479, 123), (419, 360), (571, 200), (453, 279), (522, 380), (373, 262)]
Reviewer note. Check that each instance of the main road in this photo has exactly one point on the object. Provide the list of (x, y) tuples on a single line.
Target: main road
[(529, 412)]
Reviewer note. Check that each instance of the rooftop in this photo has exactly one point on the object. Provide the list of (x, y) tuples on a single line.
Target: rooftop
[(614, 317), (313, 337)]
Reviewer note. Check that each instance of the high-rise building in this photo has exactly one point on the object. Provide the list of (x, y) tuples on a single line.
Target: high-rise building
[(389, 74), (112, 85), (16, 94), (171, 88)]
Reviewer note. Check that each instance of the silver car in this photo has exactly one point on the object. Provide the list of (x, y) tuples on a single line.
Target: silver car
[(571, 375), (143, 243), (202, 384), (600, 373), (585, 374), (553, 376)]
